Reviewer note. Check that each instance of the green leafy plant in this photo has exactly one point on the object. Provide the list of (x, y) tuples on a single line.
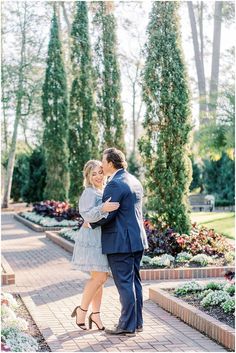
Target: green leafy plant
[(228, 306), (229, 256), (13, 333), (214, 286), (183, 257), (163, 239), (146, 260), (164, 260), (215, 298), (188, 287), (230, 288), (204, 293), (201, 259)]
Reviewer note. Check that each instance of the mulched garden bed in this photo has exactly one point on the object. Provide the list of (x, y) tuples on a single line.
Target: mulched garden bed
[(33, 330), (216, 312)]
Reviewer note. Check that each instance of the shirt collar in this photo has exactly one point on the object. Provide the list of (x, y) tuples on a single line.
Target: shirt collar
[(112, 176)]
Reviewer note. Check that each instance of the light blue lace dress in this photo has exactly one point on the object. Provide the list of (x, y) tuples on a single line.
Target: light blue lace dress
[(87, 255)]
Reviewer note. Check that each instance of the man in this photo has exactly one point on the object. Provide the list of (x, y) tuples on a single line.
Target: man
[(124, 239)]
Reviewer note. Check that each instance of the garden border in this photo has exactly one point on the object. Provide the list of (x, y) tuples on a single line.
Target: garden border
[(8, 275), (222, 333), (184, 273), (57, 239), (36, 227), (157, 274)]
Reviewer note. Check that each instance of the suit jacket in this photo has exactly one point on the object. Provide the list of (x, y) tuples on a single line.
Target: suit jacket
[(122, 230)]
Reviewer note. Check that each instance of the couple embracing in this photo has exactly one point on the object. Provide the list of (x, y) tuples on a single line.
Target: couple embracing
[(112, 238)]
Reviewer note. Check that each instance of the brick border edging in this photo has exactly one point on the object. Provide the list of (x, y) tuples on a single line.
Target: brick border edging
[(6, 210), (194, 317), (34, 226), (50, 339), (8, 276), (184, 273), (157, 274), (65, 244)]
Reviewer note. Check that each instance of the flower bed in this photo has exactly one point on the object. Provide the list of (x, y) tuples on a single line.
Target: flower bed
[(57, 210), (208, 321), (215, 298), (47, 221), (183, 259), (167, 249), (146, 274), (13, 334), (201, 254), (53, 214), (163, 239)]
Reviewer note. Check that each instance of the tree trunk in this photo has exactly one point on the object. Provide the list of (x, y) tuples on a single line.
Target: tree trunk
[(11, 158), (19, 94), (5, 127), (199, 66), (201, 33), (4, 98), (66, 18), (215, 64), (133, 117), (135, 112)]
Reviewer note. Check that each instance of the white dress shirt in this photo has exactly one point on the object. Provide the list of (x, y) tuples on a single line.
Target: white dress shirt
[(112, 176)]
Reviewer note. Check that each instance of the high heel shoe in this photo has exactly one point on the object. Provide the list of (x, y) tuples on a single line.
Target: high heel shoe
[(74, 313), (91, 321)]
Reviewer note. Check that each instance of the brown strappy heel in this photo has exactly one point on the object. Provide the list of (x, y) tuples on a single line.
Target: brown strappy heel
[(91, 321), (74, 313)]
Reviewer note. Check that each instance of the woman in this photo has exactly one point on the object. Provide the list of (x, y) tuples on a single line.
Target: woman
[(87, 255)]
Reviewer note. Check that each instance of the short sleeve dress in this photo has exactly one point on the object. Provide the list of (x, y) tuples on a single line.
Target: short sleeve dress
[(87, 254)]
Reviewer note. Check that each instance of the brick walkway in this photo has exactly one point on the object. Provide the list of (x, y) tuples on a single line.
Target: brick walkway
[(51, 289)]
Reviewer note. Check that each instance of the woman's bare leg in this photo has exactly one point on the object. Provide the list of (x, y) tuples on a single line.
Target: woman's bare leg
[(96, 304), (90, 290), (97, 299)]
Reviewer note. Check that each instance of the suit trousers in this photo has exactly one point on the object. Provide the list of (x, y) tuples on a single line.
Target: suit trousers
[(125, 270)]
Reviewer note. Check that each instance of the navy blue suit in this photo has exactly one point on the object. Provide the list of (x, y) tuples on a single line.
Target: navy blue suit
[(123, 240)]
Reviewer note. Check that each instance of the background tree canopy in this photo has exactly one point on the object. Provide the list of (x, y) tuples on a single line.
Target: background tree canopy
[(87, 94)]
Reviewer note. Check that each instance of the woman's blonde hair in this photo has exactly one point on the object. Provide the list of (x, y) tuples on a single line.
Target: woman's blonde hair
[(88, 169)]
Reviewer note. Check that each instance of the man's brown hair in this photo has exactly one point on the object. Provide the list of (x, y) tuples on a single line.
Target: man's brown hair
[(115, 156)]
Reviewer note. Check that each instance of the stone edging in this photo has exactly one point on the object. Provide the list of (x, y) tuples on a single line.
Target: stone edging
[(194, 317), (157, 274), (8, 275), (34, 226)]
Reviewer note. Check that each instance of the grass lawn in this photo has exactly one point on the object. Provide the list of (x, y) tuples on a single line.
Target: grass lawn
[(222, 222)]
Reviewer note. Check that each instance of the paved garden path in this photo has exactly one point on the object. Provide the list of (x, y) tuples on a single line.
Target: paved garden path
[(50, 288)]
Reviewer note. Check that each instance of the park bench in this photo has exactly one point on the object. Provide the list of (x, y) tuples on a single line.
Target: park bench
[(202, 202)]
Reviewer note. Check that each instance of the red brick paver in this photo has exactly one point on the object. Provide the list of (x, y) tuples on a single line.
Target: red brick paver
[(51, 289)]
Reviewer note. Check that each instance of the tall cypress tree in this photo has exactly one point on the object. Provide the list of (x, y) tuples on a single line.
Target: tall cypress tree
[(167, 126), (83, 143), (109, 82), (55, 117)]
